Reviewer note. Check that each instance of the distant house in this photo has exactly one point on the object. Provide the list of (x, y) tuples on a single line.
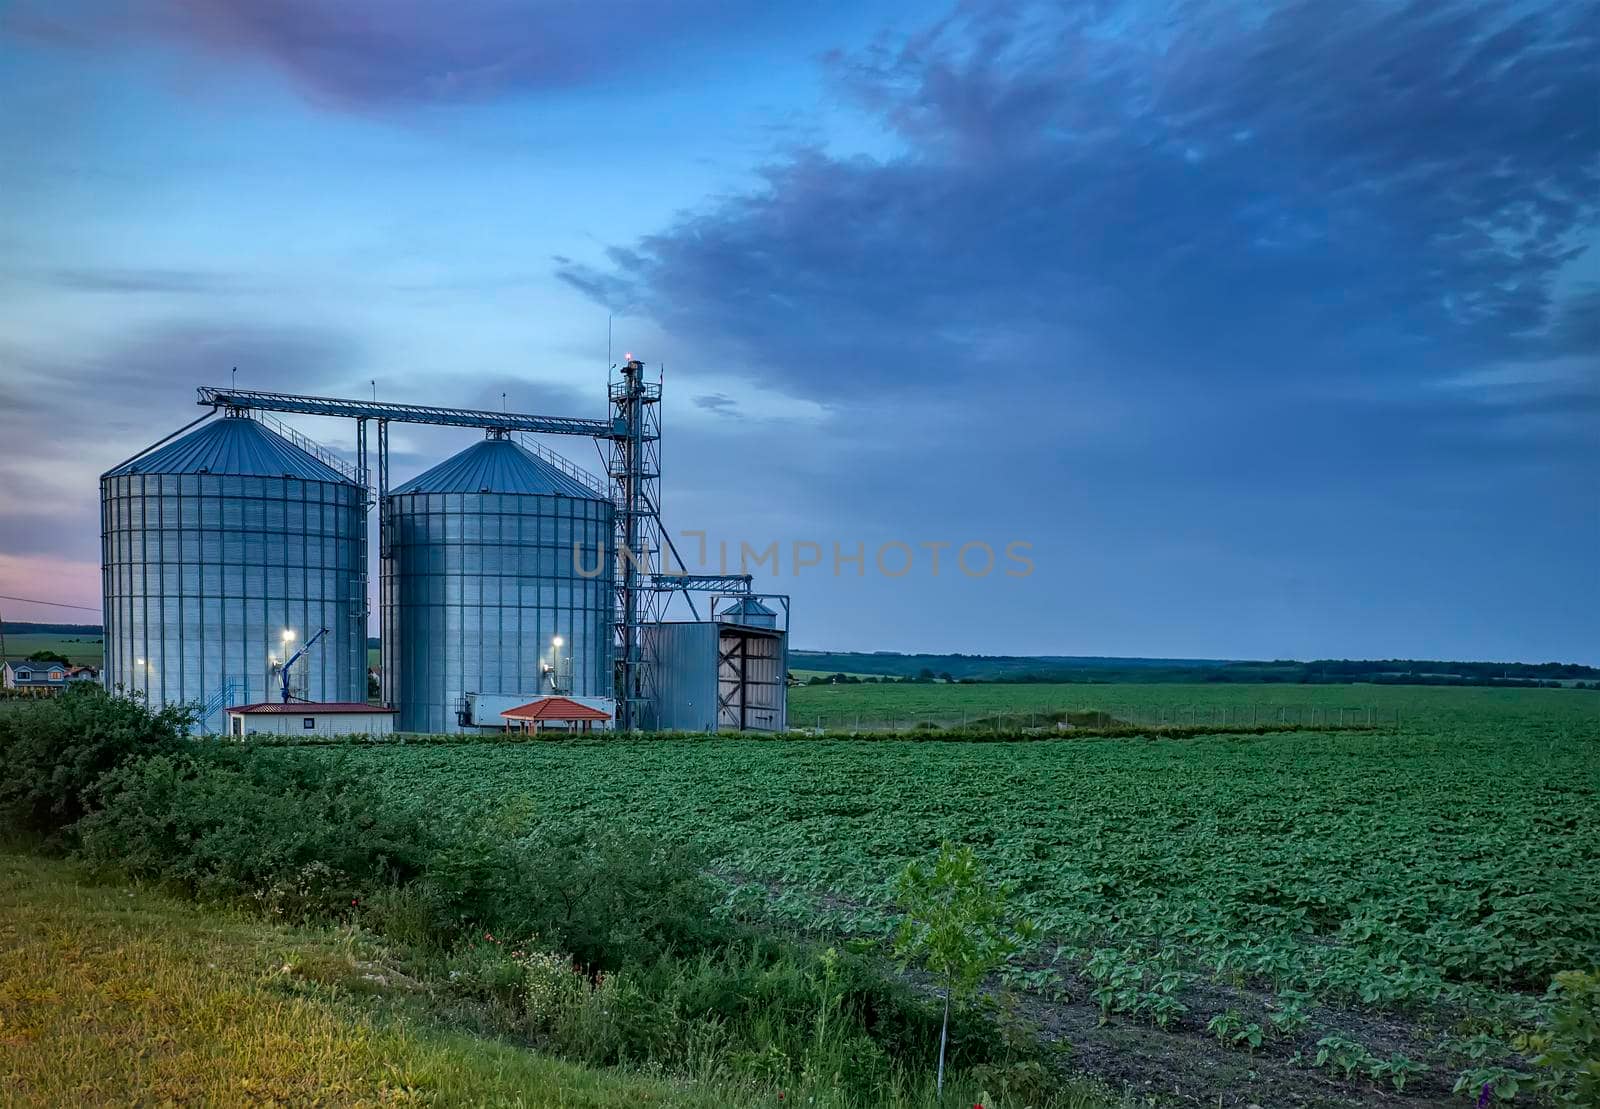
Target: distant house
[(310, 718), (28, 674)]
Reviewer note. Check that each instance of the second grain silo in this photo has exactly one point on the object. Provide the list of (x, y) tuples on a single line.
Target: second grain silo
[(497, 588)]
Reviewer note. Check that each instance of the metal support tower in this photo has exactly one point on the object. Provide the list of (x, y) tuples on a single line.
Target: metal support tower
[(634, 466), (388, 649), (359, 578)]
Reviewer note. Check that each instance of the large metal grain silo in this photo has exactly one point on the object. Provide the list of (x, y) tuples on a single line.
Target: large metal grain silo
[(213, 547), (496, 586)]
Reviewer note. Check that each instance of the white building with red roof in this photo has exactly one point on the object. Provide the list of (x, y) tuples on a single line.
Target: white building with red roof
[(310, 718)]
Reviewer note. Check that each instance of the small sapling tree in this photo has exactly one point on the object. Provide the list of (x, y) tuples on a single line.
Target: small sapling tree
[(956, 926)]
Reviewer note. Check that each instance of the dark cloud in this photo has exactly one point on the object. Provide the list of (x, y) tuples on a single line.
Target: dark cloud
[(144, 386), (284, 357), (375, 53), (719, 403), (533, 397), (1315, 191), (1258, 322), (1577, 327), (84, 415)]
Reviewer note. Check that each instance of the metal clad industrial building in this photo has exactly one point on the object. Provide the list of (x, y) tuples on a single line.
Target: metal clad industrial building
[(719, 675), (211, 547), (489, 557)]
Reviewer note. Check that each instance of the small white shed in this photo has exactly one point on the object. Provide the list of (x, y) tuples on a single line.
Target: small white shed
[(310, 718)]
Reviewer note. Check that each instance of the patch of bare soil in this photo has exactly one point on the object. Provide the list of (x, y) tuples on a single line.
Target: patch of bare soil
[(1183, 1065)]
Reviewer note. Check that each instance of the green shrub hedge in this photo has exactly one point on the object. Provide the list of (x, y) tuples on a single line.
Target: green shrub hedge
[(302, 837), (54, 750)]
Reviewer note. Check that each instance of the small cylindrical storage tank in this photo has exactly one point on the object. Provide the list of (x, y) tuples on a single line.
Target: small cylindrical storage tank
[(748, 611), (496, 581), (215, 545)]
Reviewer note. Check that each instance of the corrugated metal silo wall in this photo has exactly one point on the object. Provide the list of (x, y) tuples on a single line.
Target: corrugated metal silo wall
[(475, 587), (683, 662), (203, 572)]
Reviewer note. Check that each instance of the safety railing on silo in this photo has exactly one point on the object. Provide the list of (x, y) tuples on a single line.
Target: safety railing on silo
[(571, 469), (321, 453)]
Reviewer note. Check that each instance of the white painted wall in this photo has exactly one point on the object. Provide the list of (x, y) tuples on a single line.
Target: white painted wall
[(487, 707), (331, 723)]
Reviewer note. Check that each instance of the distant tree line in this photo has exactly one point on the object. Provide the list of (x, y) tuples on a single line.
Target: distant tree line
[(24, 627), (922, 677), (1303, 676), (1426, 667), (847, 668)]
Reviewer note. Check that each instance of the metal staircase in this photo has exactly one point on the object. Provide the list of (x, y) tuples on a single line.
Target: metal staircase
[(221, 699)]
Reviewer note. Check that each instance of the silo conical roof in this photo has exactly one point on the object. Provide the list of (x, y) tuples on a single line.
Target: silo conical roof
[(498, 466), (748, 610), (235, 446)]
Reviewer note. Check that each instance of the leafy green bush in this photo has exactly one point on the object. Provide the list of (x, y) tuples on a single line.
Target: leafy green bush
[(55, 750), (486, 970), (403, 915), (302, 837), (606, 897), (767, 1010), (1567, 1051)]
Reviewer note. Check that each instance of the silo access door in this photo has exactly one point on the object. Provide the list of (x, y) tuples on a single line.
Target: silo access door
[(750, 680)]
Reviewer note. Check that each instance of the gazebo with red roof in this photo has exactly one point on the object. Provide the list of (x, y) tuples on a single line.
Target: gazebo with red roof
[(554, 710)]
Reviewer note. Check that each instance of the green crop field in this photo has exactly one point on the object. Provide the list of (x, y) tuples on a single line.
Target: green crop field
[(1409, 893), (81, 650), (901, 705)]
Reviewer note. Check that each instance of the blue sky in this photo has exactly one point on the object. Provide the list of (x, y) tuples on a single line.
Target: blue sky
[(1272, 329)]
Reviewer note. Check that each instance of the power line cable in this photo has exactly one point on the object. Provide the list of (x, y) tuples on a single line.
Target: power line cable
[(52, 604)]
